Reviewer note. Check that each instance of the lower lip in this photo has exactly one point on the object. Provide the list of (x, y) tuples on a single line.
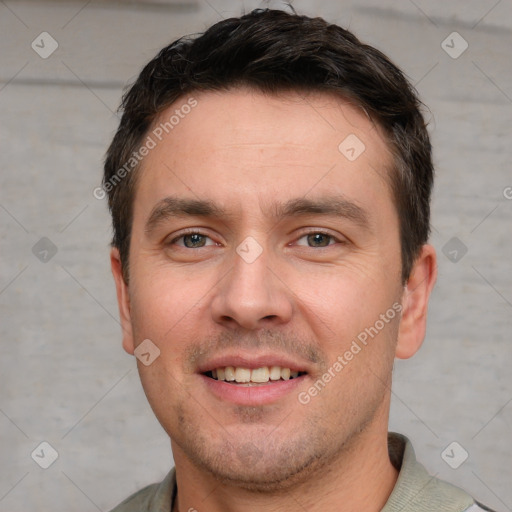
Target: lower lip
[(252, 395)]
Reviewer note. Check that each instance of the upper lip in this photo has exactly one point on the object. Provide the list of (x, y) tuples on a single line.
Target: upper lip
[(253, 361)]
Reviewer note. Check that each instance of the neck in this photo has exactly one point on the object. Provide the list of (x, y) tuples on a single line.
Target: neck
[(361, 478)]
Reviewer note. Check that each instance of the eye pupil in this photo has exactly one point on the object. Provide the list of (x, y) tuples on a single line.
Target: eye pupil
[(318, 239), (195, 239)]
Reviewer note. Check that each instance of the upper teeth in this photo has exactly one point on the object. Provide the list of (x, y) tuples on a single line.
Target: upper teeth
[(263, 374)]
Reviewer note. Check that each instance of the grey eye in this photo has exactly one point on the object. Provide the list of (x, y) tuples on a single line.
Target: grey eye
[(319, 239), (194, 240)]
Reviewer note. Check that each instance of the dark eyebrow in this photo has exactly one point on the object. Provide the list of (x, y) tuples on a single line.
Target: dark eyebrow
[(337, 206), (178, 207)]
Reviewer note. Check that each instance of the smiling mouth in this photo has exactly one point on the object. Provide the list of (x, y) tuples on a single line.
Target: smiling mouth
[(253, 377)]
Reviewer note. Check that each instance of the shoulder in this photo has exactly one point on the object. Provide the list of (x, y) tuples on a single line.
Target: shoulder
[(152, 498), (138, 501)]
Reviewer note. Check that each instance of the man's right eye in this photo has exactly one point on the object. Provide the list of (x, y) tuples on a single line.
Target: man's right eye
[(192, 240)]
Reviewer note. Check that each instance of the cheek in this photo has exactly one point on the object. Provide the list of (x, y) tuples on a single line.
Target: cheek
[(344, 300), (165, 305)]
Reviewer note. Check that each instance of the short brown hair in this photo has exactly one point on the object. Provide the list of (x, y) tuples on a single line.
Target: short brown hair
[(272, 51)]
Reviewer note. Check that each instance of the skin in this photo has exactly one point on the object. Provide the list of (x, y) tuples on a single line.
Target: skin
[(307, 297)]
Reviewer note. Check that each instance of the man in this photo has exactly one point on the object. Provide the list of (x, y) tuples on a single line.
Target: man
[(269, 185)]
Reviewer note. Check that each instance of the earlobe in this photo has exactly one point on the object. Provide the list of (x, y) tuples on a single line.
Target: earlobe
[(123, 300), (415, 303)]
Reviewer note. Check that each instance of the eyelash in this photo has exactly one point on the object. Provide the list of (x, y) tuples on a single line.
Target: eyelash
[(305, 234)]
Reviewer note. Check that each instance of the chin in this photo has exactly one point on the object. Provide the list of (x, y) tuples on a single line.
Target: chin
[(262, 465), (267, 476)]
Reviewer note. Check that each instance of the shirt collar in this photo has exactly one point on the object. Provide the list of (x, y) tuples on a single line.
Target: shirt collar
[(415, 489)]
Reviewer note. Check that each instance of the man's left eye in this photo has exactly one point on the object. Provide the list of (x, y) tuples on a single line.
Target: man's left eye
[(317, 239)]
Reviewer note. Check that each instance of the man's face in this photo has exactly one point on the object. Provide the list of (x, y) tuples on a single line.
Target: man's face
[(257, 243)]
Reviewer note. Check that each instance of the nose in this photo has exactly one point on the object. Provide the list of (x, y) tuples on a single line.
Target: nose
[(252, 295)]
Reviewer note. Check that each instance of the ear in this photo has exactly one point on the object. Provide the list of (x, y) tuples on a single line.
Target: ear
[(123, 300), (415, 298)]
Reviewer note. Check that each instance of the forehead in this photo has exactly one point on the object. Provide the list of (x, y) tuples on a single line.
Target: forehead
[(244, 149)]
